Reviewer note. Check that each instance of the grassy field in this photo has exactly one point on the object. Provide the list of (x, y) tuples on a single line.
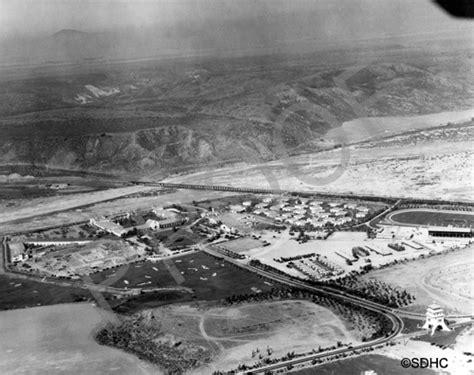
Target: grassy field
[(222, 203), (22, 190), (443, 338), (420, 217), (19, 293), (150, 300), (210, 278), (411, 325), (242, 244)]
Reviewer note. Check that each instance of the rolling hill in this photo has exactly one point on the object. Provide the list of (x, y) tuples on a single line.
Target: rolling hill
[(151, 117)]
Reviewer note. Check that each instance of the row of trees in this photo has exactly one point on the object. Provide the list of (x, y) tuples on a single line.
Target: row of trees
[(374, 290)]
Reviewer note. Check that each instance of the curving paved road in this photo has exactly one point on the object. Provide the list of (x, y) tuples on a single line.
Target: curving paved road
[(397, 322)]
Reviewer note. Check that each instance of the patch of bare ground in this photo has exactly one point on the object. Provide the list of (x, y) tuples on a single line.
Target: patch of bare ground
[(202, 338), (57, 340), (430, 163), (465, 341), (249, 333), (445, 279)]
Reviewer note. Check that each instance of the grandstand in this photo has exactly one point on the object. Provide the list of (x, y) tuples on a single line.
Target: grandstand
[(450, 231)]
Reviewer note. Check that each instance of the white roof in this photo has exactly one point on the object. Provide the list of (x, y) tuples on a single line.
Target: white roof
[(450, 228)]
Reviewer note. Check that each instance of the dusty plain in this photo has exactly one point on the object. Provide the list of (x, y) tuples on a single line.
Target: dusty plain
[(445, 279), (429, 163)]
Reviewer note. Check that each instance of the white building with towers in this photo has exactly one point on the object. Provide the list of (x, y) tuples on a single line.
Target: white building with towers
[(435, 319)]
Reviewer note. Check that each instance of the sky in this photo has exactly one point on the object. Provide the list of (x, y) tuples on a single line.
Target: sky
[(346, 17), (122, 29)]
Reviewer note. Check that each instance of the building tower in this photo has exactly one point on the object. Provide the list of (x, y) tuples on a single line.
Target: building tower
[(435, 319)]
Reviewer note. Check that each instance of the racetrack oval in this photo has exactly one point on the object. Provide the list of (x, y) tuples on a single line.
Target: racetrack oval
[(441, 218)]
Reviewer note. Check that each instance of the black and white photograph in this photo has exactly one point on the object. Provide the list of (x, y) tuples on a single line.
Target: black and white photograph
[(223, 187)]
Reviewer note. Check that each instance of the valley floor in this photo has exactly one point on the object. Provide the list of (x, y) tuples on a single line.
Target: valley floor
[(418, 163)]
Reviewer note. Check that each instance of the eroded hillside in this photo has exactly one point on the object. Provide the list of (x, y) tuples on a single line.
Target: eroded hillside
[(155, 118)]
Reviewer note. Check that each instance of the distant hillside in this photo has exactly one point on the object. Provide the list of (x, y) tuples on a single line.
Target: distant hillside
[(69, 33), (149, 118)]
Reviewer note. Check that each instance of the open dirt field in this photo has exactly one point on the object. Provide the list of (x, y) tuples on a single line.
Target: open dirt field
[(465, 341), (58, 340), (436, 170), (342, 243), (234, 332), (429, 164), (445, 279), (283, 326), (284, 246)]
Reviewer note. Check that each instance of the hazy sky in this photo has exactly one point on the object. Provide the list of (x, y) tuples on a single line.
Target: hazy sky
[(41, 17)]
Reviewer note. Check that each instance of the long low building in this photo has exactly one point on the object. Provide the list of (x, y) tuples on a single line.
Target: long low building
[(450, 231), (109, 226)]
